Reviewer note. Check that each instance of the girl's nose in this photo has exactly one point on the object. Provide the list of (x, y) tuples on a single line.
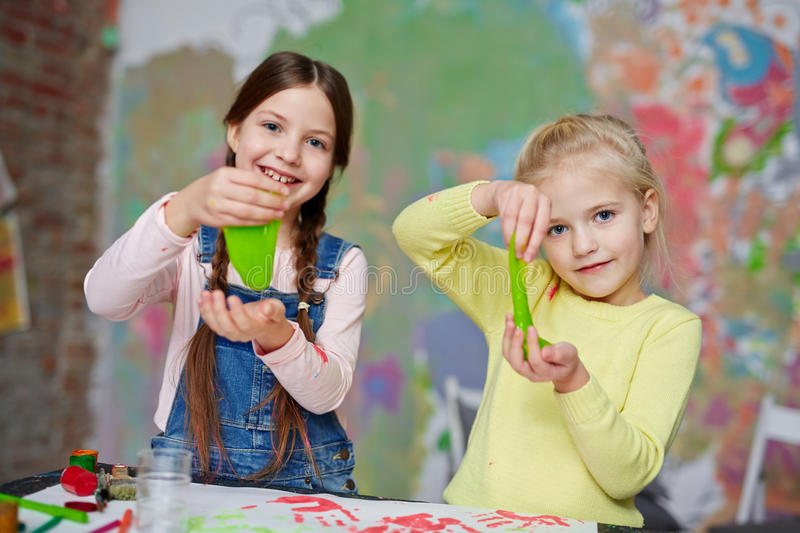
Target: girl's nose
[(583, 242), (289, 151)]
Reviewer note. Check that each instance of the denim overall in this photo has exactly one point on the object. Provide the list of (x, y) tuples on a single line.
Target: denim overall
[(243, 381)]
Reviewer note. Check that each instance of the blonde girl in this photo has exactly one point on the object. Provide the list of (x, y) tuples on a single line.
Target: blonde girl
[(579, 427)]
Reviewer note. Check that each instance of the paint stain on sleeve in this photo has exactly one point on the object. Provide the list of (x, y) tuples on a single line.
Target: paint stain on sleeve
[(552, 292), (321, 353)]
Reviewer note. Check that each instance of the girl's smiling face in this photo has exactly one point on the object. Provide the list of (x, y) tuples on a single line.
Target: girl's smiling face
[(595, 239), (289, 137)]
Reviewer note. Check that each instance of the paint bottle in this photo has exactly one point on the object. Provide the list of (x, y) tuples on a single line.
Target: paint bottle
[(78, 480)]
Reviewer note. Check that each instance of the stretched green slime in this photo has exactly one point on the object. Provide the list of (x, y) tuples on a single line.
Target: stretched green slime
[(251, 250), (519, 297)]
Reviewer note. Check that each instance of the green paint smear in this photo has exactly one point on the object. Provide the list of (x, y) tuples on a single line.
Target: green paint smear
[(444, 444), (771, 148), (198, 524), (758, 256), (109, 37), (195, 523)]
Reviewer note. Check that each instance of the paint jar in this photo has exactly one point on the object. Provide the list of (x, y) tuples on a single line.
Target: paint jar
[(8, 516), (122, 488), (85, 458), (162, 490), (78, 481)]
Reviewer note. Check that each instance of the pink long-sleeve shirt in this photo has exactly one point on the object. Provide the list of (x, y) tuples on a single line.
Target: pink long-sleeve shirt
[(151, 264)]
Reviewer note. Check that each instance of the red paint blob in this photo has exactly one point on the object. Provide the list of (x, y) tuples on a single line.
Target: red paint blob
[(87, 507)]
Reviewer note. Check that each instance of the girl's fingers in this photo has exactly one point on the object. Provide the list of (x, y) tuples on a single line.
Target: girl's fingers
[(273, 309), (562, 355), (533, 342), (219, 307), (512, 350), (263, 311), (248, 217), (515, 353), (257, 197), (509, 212), (539, 229), (239, 317), (237, 321), (508, 333), (553, 355), (239, 197), (230, 212), (534, 369), (525, 221), (253, 180), (540, 368), (205, 303), (524, 211)]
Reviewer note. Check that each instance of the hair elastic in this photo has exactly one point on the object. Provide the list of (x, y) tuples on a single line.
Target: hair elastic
[(303, 306)]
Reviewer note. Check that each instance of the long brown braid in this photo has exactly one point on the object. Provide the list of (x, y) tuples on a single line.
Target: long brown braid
[(201, 369), (279, 71)]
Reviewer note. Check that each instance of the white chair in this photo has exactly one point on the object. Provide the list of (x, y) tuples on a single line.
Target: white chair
[(462, 406), (777, 423)]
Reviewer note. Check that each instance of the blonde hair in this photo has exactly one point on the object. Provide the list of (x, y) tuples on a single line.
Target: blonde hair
[(612, 145)]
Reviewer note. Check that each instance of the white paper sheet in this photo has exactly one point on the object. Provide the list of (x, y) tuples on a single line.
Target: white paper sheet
[(225, 509)]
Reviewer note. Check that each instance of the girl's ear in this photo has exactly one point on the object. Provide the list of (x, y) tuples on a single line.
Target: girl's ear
[(650, 211), (233, 137)]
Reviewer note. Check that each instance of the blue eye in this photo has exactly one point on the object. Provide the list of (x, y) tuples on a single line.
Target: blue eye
[(271, 126), (557, 230), (316, 143), (604, 216)]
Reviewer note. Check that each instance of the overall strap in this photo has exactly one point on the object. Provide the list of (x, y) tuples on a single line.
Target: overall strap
[(330, 252), (207, 243)]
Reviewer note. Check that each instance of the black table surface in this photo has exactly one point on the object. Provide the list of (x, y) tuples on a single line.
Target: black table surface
[(25, 486)]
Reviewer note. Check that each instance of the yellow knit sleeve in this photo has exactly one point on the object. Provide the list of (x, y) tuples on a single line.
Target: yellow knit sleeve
[(625, 450), (435, 234)]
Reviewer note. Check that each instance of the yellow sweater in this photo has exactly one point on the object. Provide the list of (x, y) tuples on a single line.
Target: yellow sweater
[(584, 454)]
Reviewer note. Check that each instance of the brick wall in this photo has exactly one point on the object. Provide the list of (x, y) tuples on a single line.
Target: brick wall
[(54, 78)]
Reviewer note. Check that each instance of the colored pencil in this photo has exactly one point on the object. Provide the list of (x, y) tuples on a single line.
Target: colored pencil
[(107, 527), (53, 522), (52, 510)]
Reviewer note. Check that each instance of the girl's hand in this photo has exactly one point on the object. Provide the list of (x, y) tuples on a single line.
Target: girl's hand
[(558, 363), (263, 321), (522, 209), (227, 197)]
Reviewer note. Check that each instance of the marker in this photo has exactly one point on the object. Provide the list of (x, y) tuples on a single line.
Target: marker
[(126, 521), (52, 510), (53, 522)]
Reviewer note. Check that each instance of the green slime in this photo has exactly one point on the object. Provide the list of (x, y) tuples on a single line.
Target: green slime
[(251, 250), (519, 296)]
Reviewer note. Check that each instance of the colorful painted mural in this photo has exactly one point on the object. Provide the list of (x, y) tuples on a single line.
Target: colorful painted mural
[(445, 93)]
